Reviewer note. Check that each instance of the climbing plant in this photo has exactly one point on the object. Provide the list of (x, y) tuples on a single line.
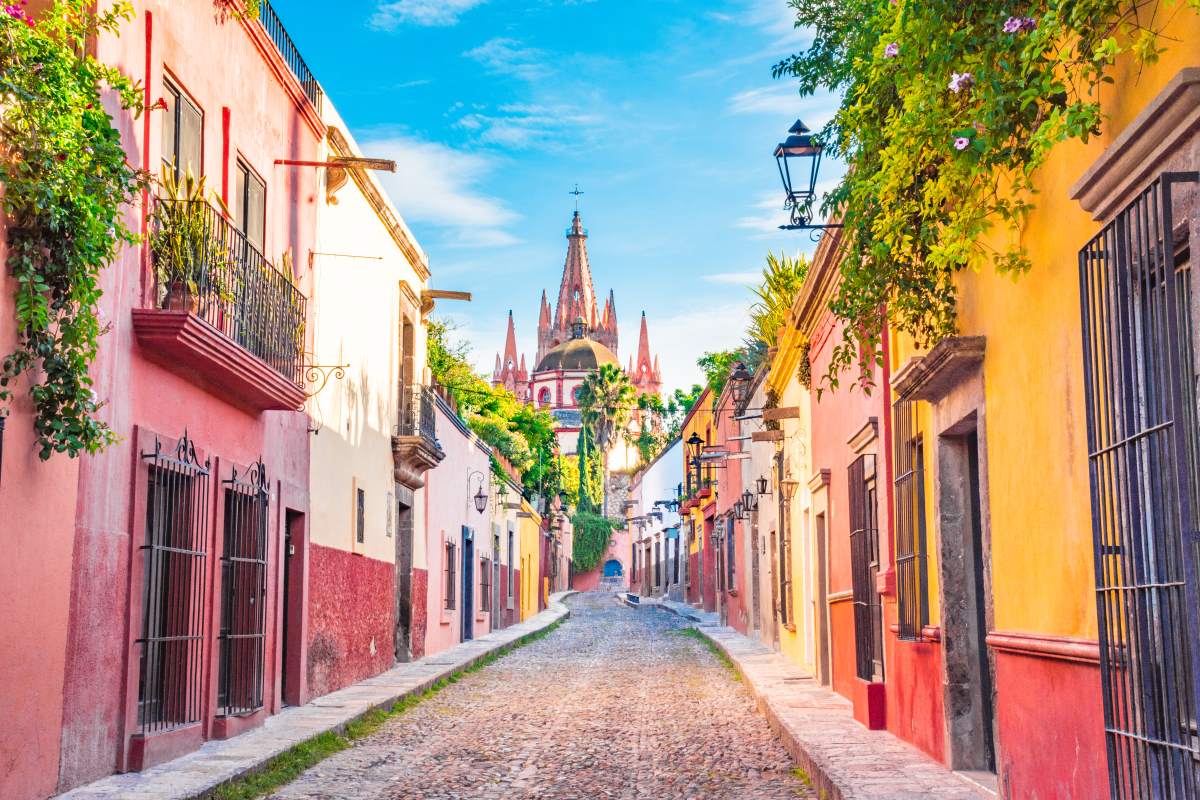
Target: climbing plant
[(590, 536), (948, 109), (66, 185)]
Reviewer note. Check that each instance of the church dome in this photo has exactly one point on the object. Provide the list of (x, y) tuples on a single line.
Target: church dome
[(577, 354)]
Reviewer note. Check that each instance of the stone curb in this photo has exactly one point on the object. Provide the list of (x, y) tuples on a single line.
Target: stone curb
[(198, 774), (843, 759)]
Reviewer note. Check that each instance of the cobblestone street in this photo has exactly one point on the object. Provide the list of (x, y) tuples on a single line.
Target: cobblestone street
[(614, 704)]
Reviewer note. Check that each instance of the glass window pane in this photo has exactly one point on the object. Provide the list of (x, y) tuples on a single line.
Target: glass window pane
[(191, 133), (169, 153), (256, 208)]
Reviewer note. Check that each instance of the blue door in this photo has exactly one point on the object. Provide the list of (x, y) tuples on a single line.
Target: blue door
[(468, 584), (612, 568)]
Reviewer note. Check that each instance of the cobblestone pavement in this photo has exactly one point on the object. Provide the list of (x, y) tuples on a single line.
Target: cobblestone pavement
[(613, 704)]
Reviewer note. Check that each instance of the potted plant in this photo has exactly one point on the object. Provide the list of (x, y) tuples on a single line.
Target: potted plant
[(186, 249)]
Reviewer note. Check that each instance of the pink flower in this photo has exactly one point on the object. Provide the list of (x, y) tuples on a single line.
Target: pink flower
[(891, 51), (962, 143), (960, 81), (1020, 24)]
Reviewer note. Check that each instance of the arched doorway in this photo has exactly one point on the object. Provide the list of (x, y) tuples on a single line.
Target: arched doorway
[(612, 568)]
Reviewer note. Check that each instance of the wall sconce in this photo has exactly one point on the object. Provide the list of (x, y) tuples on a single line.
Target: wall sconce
[(481, 498), (764, 486)]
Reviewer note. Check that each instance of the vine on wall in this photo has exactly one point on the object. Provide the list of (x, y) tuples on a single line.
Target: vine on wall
[(948, 109), (65, 184)]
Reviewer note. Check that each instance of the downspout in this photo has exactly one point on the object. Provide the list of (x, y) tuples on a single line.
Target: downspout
[(3, 420), (888, 579)]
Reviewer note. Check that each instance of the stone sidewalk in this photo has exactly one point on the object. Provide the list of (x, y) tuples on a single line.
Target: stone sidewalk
[(843, 759), (216, 762)]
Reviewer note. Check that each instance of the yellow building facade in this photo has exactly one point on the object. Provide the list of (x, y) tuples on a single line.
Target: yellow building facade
[(530, 524)]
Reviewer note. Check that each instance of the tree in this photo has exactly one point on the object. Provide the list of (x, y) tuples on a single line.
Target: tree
[(717, 366), (781, 282), (606, 401), (678, 406)]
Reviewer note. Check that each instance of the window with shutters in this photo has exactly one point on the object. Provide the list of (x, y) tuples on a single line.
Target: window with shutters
[(182, 132), (360, 516), (1137, 297), (485, 585), (864, 567), (912, 584), (730, 549)]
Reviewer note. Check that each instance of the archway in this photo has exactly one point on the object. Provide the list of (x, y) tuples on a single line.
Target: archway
[(612, 568)]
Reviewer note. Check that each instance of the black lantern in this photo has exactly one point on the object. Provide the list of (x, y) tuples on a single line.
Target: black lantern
[(737, 509), (481, 499), (739, 380), (764, 486), (800, 154), (748, 501)]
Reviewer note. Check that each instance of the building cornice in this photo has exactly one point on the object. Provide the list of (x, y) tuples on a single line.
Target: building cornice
[(381, 205)]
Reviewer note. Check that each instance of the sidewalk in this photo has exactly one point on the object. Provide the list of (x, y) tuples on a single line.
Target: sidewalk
[(843, 760), (217, 762)]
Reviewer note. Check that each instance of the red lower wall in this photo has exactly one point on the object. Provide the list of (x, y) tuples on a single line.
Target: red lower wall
[(914, 698), (420, 610), (1051, 726), (841, 645), (350, 618), (587, 581)]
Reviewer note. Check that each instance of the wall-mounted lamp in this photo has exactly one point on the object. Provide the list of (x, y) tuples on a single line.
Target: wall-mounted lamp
[(481, 498), (764, 486)]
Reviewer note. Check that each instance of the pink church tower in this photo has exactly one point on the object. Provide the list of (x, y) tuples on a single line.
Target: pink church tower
[(644, 373), (510, 371), (576, 298)]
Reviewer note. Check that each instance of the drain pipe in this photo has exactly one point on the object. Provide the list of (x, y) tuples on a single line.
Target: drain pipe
[(3, 419)]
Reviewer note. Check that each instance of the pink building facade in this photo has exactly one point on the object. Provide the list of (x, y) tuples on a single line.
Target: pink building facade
[(162, 595)]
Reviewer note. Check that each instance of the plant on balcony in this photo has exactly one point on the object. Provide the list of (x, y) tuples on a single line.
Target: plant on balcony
[(189, 255), (948, 110), (67, 187)]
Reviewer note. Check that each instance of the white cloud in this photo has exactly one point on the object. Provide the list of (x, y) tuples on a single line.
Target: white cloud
[(502, 56), (438, 186), (780, 101), (428, 13), (527, 125), (769, 217), (733, 278)]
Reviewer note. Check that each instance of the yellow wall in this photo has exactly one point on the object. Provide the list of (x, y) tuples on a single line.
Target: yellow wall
[(1036, 418), (531, 549), (701, 423)]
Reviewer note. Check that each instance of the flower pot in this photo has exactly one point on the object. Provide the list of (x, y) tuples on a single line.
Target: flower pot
[(180, 298)]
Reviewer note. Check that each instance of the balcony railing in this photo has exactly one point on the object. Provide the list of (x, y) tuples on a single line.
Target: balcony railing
[(417, 414), (212, 270), (291, 55)]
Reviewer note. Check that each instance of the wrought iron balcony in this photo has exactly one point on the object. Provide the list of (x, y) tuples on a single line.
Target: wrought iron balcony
[(220, 301), (415, 448), (291, 55)]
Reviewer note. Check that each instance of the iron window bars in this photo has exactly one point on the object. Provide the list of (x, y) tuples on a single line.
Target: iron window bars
[(416, 414), (448, 574), (485, 585), (729, 552), (236, 290), (291, 55), (1136, 302), (912, 583), (170, 688), (243, 593), (784, 555), (864, 567)]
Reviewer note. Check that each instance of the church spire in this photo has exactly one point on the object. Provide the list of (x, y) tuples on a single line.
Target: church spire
[(576, 295), (645, 373), (510, 367)]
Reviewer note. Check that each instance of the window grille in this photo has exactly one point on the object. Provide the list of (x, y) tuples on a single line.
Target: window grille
[(448, 574), (912, 584), (360, 516), (864, 567), (485, 585), (784, 556), (1136, 300), (511, 567), (730, 548), (243, 593), (170, 691)]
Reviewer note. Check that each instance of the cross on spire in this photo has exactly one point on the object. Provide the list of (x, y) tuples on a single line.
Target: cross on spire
[(576, 192)]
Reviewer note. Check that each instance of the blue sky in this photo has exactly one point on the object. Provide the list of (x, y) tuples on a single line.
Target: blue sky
[(664, 111)]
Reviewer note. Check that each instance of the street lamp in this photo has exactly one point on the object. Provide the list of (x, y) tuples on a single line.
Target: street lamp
[(764, 486), (481, 498), (800, 153), (748, 501), (739, 379), (737, 509), (695, 443)]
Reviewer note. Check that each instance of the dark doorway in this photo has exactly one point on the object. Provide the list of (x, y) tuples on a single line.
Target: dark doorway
[(293, 606), (404, 546), (468, 584), (821, 601), (966, 601)]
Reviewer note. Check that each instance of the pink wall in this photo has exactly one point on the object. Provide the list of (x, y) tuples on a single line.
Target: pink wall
[(735, 597), (836, 417), (264, 123), (449, 505), (38, 503)]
